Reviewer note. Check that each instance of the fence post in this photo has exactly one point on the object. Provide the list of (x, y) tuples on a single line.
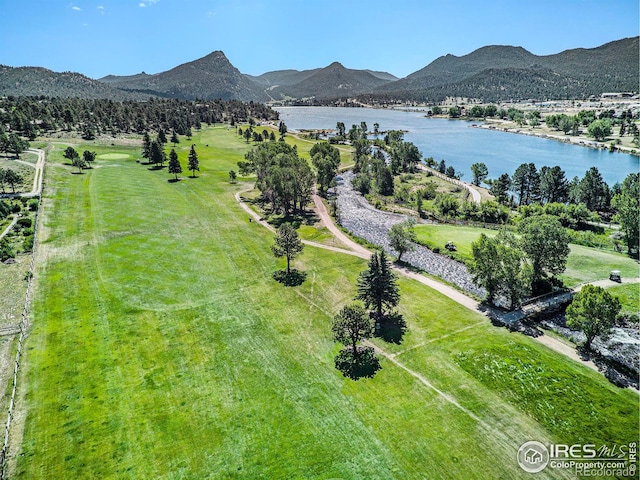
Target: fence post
[(24, 324)]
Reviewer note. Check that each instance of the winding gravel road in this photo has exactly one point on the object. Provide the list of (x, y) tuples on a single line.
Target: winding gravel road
[(364, 221)]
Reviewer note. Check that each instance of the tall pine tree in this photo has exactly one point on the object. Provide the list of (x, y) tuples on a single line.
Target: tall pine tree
[(194, 163), (377, 285), (174, 164)]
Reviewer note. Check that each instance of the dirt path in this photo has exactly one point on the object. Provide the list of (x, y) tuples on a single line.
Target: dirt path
[(327, 221), (475, 194), (11, 225), (565, 349), (455, 295), (37, 178)]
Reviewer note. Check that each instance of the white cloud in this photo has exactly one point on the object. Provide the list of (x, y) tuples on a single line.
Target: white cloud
[(100, 9), (77, 9), (142, 5)]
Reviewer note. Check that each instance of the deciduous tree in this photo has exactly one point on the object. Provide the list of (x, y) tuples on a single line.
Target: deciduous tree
[(326, 160), (546, 243), (401, 237), (593, 311), (70, 154), (89, 156), (599, 129), (351, 326)]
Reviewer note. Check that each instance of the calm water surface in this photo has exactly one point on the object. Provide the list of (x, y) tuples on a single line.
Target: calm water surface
[(460, 145)]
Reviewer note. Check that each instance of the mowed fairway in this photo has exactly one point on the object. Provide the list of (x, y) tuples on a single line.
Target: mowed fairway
[(162, 348)]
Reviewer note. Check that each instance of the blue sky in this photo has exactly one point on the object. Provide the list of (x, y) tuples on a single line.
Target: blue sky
[(123, 37)]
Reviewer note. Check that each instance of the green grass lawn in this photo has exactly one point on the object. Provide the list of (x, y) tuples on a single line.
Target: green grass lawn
[(584, 264), (162, 348), (26, 172), (629, 296), (587, 264), (436, 236)]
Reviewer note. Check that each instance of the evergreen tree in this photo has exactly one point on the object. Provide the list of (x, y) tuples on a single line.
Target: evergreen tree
[(282, 128), (194, 163), (162, 137), (156, 154), (146, 146), (480, 172), (377, 285), (592, 190), (554, 186), (627, 205), (174, 138), (500, 188), (174, 164), (287, 244)]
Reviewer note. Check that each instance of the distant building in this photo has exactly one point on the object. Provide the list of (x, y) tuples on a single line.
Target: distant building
[(617, 95)]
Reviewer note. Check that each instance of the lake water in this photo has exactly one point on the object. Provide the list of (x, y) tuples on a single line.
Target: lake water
[(460, 145)]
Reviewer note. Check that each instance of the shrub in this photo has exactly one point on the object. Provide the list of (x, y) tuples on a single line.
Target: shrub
[(25, 222), (27, 244)]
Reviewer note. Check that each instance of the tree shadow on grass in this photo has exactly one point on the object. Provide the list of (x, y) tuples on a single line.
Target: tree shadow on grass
[(302, 218), (391, 328), (173, 180), (156, 167), (292, 279), (365, 365)]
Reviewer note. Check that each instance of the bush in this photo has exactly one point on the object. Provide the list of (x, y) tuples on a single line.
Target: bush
[(27, 244), (25, 222), (33, 204), (6, 250)]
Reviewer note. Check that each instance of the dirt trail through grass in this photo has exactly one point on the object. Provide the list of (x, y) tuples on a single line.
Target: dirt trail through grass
[(455, 295)]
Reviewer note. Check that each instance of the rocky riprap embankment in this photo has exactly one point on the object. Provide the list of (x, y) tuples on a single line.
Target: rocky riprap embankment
[(363, 220)]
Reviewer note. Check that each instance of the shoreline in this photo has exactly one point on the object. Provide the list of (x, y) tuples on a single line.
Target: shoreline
[(578, 141)]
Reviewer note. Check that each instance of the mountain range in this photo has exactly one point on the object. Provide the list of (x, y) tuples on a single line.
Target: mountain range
[(490, 73)]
